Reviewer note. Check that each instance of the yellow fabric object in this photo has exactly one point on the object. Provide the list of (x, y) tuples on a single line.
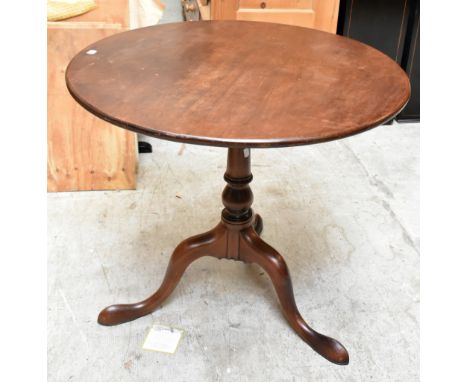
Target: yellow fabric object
[(64, 9)]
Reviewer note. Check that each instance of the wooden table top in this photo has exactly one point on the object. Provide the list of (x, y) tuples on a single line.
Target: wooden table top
[(237, 84)]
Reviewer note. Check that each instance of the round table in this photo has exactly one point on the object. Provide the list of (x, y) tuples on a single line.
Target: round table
[(239, 85)]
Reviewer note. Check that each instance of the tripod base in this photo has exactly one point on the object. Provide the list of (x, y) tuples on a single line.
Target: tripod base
[(236, 237)]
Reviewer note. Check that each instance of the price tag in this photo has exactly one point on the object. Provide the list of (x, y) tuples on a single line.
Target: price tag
[(163, 339)]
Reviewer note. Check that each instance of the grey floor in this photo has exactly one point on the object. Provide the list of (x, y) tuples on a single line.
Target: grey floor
[(345, 216)]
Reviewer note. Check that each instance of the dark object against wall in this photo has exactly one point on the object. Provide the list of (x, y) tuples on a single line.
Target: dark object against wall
[(392, 26), (410, 63)]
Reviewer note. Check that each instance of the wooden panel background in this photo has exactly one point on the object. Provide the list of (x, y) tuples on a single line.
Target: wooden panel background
[(317, 14), (224, 9), (327, 15), (298, 17), (84, 152)]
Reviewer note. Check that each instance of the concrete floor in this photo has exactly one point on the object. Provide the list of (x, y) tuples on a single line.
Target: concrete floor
[(345, 216)]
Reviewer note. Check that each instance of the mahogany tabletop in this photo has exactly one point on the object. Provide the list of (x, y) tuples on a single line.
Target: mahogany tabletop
[(237, 84)]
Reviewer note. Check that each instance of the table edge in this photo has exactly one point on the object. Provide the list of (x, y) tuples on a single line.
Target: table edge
[(244, 142), (224, 142)]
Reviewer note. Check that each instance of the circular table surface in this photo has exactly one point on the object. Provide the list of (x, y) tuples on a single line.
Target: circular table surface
[(237, 84)]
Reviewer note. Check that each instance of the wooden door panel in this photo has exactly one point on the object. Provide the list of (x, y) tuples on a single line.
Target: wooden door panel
[(317, 14), (224, 9), (327, 15), (265, 4), (298, 17)]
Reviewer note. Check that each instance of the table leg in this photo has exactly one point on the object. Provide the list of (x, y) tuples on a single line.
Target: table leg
[(255, 250), (185, 253), (237, 237)]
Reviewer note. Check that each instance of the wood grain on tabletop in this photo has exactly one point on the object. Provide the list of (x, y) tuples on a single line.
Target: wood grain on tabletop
[(238, 84)]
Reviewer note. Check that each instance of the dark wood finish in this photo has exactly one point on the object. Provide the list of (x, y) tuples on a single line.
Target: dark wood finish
[(236, 237), (238, 84)]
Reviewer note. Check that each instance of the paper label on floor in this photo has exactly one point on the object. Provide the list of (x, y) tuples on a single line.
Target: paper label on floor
[(163, 339)]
